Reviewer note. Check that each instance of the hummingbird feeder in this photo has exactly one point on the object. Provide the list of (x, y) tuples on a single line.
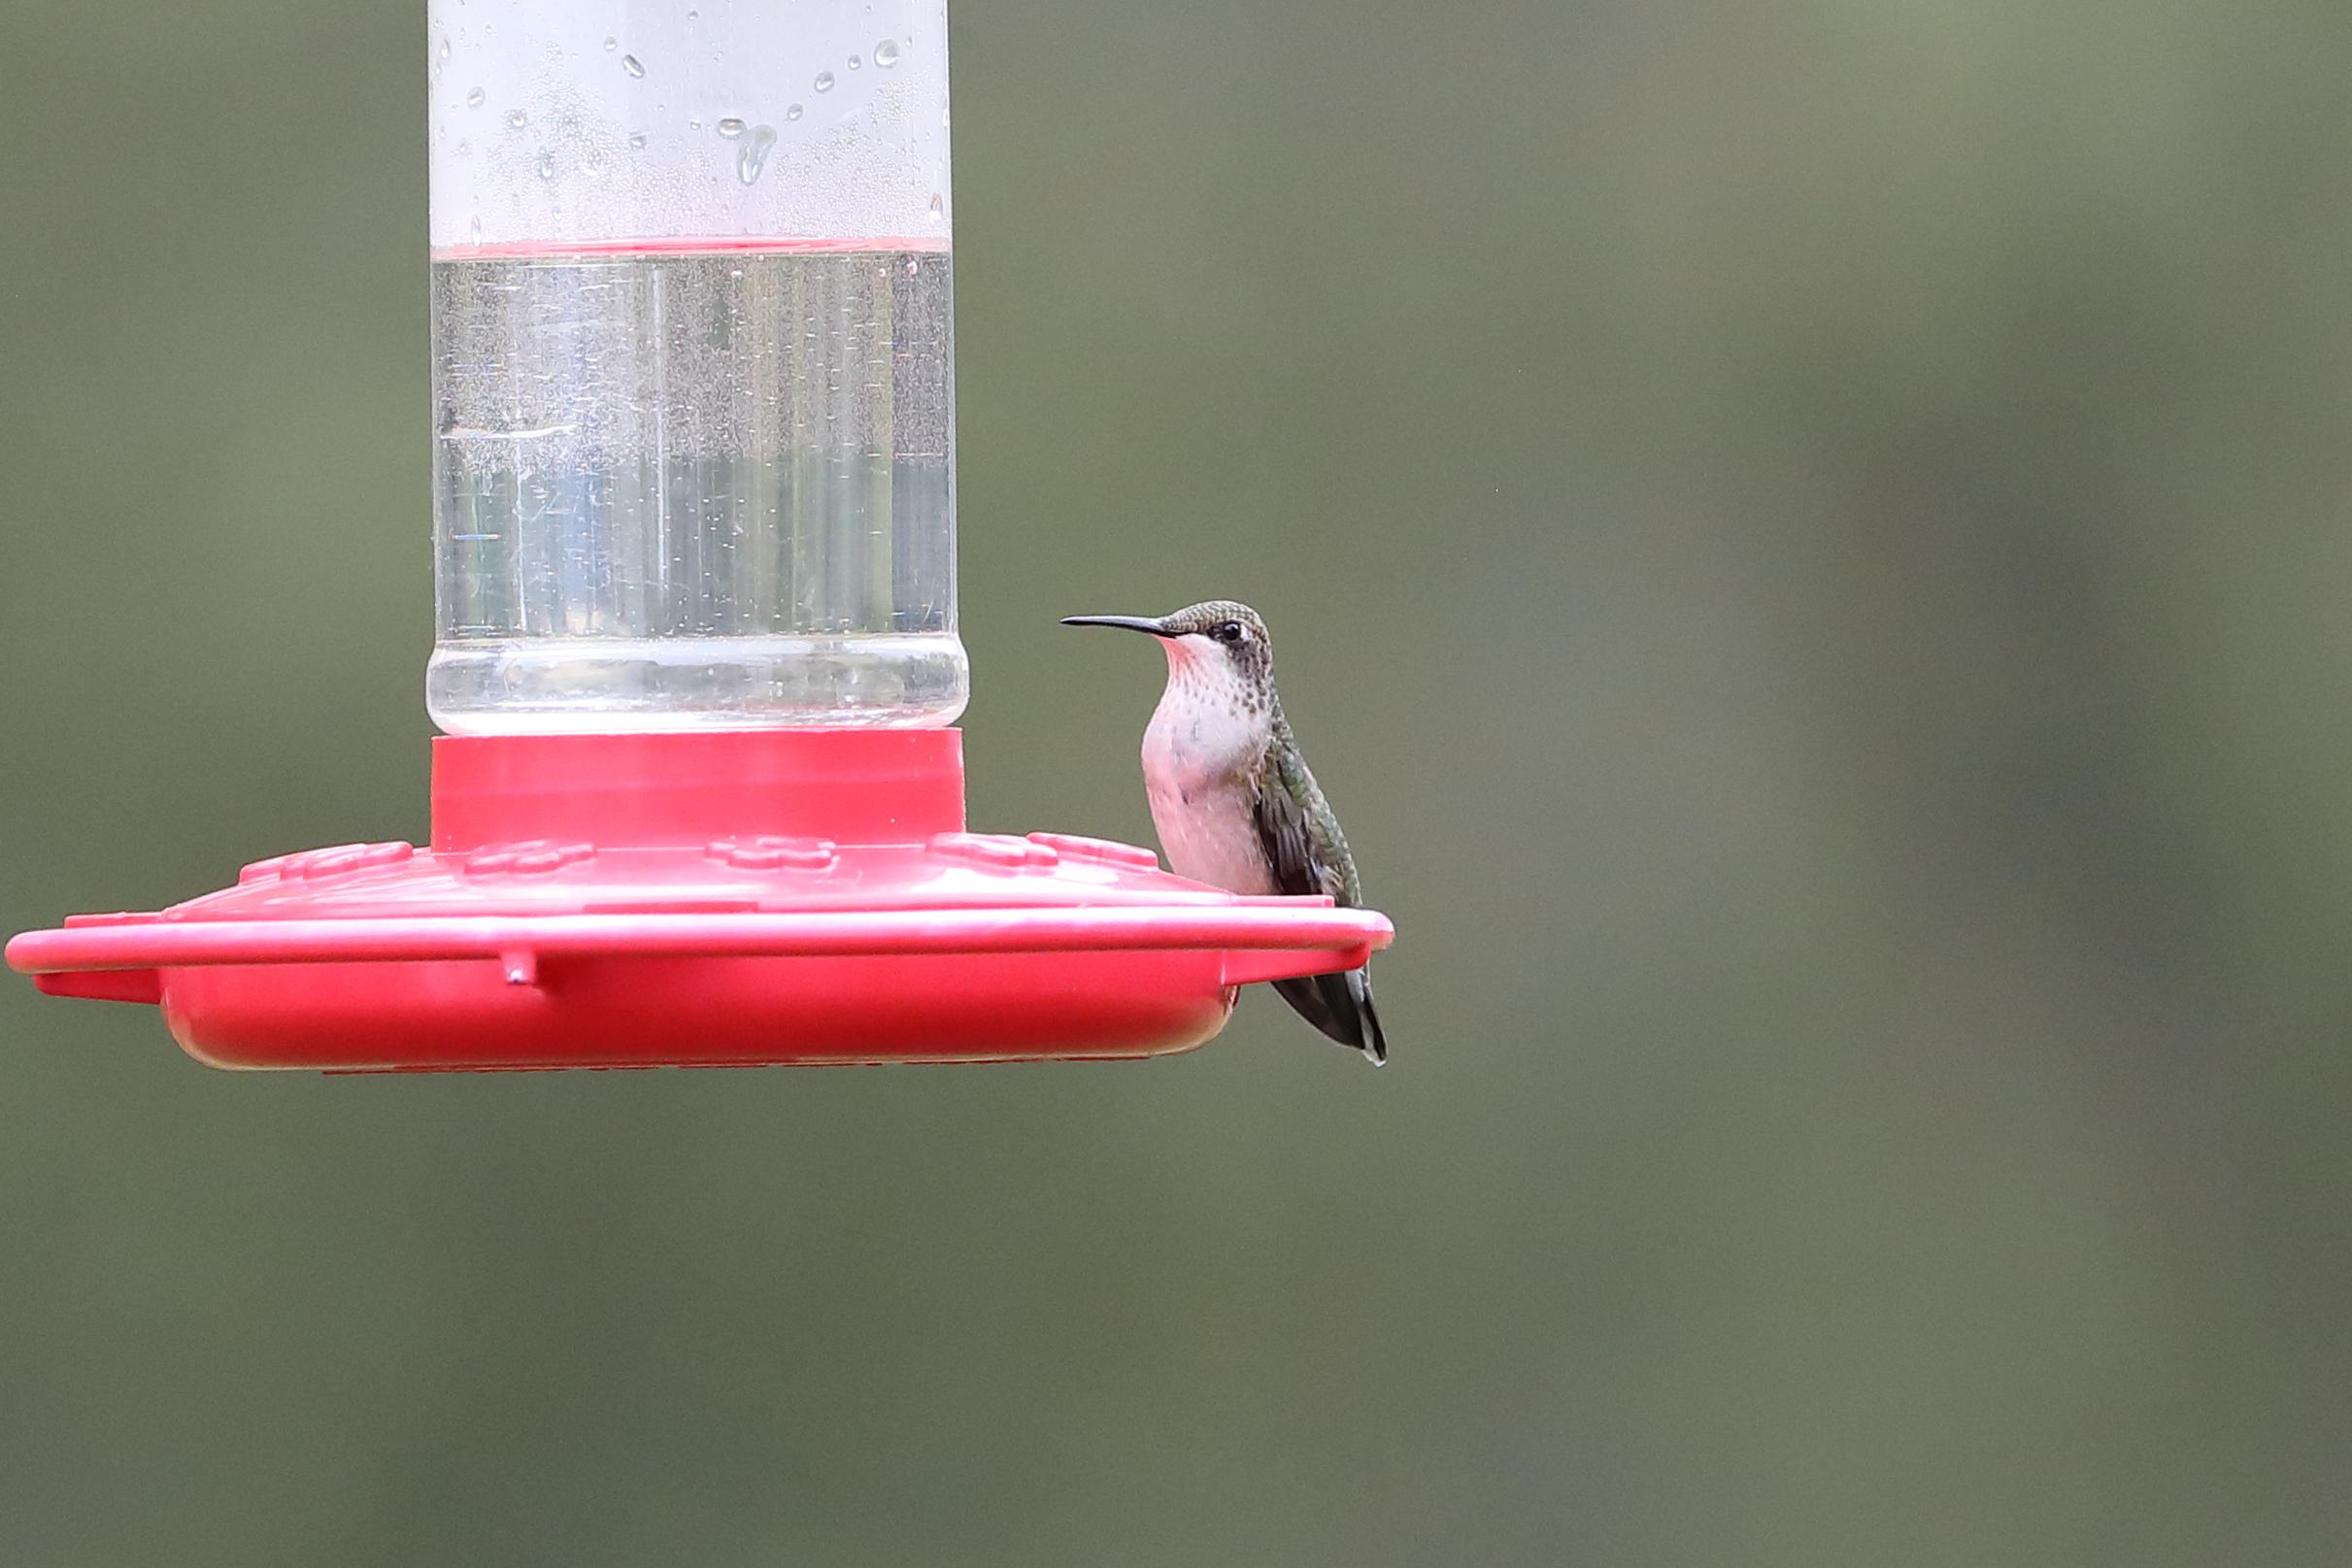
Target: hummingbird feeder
[(697, 801)]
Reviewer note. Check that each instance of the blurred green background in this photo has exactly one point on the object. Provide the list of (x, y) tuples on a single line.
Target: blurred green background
[(1808, 543)]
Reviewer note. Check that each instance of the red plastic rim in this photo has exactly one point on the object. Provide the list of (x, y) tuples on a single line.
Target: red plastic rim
[(157, 944)]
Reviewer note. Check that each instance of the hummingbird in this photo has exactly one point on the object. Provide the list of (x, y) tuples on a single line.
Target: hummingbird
[(1231, 796)]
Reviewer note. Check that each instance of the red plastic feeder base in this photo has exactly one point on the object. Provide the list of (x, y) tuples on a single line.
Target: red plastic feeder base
[(721, 899)]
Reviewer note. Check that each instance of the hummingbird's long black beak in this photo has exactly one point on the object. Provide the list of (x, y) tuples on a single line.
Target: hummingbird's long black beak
[(1129, 622)]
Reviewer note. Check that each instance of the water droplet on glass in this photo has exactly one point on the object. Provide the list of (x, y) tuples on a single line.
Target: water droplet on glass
[(611, 43), (476, 98), (547, 165), (637, 141), (445, 52), (476, 229), (823, 81), (465, 148), (886, 56), (693, 15), (694, 124), (631, 64), (855, 62), (913, 267), (754, 155), (729, 127), (592, 166), (794, 113), (939, 207), (516, 119)]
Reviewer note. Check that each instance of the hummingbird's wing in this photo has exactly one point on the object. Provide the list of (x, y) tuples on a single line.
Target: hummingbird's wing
[(1307, 854), (1286, 831)]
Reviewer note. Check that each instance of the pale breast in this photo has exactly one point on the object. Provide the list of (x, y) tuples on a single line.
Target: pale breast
[(1195, 773), (1213, 838)]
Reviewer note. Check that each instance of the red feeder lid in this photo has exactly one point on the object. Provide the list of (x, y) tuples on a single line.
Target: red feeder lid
[(721, 898)]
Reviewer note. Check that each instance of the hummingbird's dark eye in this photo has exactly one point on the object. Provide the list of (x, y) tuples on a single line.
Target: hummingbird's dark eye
[(1227, 631)]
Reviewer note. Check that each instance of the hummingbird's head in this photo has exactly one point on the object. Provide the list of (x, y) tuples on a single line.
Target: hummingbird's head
[(1218, 643)]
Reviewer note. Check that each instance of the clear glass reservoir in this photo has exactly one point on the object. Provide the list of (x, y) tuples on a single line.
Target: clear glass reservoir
[(693, 365)]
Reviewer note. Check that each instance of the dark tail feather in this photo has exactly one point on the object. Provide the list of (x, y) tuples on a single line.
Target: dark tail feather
[(1341, 1007), (1375, 1042)]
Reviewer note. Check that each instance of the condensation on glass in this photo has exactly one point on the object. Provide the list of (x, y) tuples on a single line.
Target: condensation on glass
[(693, 365)]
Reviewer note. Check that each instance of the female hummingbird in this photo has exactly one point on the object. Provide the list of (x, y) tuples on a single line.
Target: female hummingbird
[(1232, 798)]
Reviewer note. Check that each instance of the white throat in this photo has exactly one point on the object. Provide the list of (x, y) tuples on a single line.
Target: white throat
[(1212, 719)]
